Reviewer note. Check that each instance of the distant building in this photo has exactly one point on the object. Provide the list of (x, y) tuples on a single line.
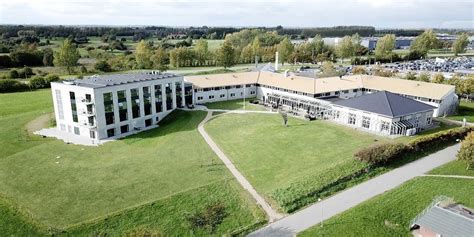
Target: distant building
[(444, 220), (400, 42)]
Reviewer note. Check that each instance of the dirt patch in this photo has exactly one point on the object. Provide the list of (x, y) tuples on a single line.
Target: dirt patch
[(42, 121)]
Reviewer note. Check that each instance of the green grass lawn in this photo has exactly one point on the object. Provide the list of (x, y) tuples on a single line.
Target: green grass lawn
[(390, 214), (465, 110), (235, 105), (453, 168), (272, 156), (86, 184)]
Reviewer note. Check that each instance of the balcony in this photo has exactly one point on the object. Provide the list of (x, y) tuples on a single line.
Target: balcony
[(88, 112), (89, 125), (87, 101)]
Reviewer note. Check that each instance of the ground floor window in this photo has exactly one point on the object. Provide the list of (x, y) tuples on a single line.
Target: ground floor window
[(428, 120), (199, 97), (148, 122), (232, 94), (352, 119), (124, 129), (111, 132), (211, 97), (92, 134), (76, 131), (222, 96), (366, 122), (384, 126)]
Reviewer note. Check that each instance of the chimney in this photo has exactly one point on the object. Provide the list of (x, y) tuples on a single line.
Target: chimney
[(276, 61)]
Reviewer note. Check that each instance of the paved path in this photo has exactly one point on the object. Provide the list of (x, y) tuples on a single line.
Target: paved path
[(351, 197), (272, 214)]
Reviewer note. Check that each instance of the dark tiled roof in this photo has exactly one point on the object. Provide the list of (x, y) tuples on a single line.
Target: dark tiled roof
[(97, 81), (385, 103), (447, 223)]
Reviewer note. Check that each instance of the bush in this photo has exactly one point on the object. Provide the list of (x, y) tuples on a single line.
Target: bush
[(5, 61), (210, 217), (9, 85), (466, 153), (37, 82), (382, 153), (440, 138), (13, 74), (102, 66)]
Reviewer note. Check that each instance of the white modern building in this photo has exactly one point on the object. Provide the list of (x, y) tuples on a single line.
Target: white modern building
[(116, 105)]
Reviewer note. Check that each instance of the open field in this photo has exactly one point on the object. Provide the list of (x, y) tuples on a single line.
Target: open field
[(60, 185), (272, 156), (235, 105), (390, 214), (465, 110)]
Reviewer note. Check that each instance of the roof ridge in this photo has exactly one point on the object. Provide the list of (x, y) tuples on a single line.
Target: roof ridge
[(388, 101)]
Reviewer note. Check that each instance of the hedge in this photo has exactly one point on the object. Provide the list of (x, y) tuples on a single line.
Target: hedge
[(382, 153), (466, 153), (439, 138), (9, 85)]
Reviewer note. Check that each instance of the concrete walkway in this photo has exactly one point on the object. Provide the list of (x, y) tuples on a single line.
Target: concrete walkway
[(449, 176), (314, 214), (272, 214)]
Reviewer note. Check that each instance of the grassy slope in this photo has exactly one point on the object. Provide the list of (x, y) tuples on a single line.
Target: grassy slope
[(272, 156), (90, 182), (453, 168), (235, 105), (390, 214), (465, 110)]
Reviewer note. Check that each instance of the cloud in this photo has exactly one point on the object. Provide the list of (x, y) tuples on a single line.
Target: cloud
[(305, 13)]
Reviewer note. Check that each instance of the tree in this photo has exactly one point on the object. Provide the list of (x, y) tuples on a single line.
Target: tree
[(358, 70), (285, 49), (410, 76), (345, 48), (424, 77), (466, 152), (424, 42), (66, 56), (328, 69), (385, 46), (160, 59), (143, 55), (202, 51), (256, 48), (226, 55), (438, 78), (459, 45), (48, 57)]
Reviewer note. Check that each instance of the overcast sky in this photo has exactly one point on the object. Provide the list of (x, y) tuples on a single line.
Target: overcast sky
[(304, 13)]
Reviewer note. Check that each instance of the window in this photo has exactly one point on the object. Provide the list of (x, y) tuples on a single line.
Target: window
[(238, 86), (352, 119), (365, 122), (72, 97), (158, 99), (146, 100), (111, 132), (108, 108), (88, 98), (200, 98), (148, 122), (384, 126), (179, 94), (59, 104), (135, 103), (124, 129), (222, 96), (252, 92), (122, 104), (428, 120), (355, 90), (169, 96), (232, 94), (92, 134), (211, 97), (337, 113), (248, 85)]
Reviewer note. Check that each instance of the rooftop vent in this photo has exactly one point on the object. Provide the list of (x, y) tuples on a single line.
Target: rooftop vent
[(69, 82)]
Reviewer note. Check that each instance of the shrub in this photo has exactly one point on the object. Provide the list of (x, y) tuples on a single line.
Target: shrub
[(382, 153), (439, 139), (5, 61), (210, 217), (466, 153), (13, 74), (37, 82), (102, 66), (9, 85), (51, 77)]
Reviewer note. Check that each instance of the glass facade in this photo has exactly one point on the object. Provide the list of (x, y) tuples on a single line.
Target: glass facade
[(169, 96), (179, 94), (59, 103), (72, 97), (147, 100), (158, 99), (109, 108), (122, 105), (135, 103)]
